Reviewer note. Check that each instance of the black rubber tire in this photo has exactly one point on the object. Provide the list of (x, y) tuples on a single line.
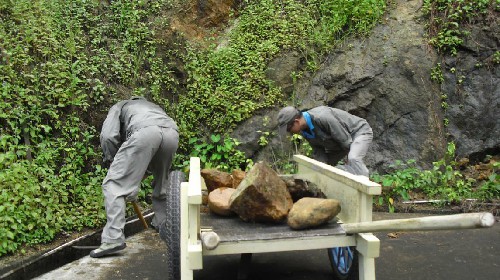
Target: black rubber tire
[(353, 271), (170, 229)]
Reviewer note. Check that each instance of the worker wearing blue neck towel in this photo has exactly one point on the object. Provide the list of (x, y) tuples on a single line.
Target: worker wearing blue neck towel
[(332, 133)]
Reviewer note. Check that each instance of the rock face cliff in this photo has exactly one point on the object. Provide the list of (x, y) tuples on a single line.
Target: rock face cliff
[(473, 92), (386, 79)]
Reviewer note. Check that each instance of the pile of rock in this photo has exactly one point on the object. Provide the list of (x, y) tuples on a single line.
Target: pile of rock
[(261, 195)]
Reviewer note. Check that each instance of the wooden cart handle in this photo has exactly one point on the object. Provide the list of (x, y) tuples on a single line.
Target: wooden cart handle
[(445, 222)]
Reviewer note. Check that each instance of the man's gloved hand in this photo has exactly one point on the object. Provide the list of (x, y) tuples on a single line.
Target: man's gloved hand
[(133, 196), (146, 174), (106, 164)]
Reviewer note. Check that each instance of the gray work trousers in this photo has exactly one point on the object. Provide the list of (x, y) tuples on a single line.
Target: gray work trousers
[(151, 148), (357, 151)]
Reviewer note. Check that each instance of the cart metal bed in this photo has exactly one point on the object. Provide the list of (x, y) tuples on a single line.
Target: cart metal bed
[(190, 235)]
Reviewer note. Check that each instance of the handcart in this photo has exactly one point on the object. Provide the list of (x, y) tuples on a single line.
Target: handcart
[(351, 246)]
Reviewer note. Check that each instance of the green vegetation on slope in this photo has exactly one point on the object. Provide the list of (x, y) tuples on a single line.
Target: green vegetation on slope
[(447, 19), (64, 62), (444, 182), (447, 27), (227, 84), (61, 62)]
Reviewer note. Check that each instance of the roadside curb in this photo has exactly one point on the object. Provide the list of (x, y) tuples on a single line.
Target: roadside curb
[(65, 253)]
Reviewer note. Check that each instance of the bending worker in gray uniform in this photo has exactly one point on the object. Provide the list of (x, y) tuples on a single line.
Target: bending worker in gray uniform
[(332, 133), (136, 136)]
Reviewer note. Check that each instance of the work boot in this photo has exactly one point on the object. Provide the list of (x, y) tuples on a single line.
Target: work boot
[(107, 249), (154, 226)]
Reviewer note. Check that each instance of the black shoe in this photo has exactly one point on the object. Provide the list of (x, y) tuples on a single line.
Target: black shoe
[(107, 249), (155, 227)]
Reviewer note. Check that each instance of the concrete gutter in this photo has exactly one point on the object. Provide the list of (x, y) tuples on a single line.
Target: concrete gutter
[(65, 253)]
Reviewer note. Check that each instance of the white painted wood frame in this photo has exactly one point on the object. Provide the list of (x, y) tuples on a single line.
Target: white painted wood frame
[(354, 192)]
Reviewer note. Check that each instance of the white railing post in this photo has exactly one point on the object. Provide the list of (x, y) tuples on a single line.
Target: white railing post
[(191, 248), (186, 273)]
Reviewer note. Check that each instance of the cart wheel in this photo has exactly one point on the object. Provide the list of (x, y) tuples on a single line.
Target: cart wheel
[(170, 229), (344, 262)]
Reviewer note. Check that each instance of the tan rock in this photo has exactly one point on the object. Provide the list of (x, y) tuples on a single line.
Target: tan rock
[(218, 201), (216, 179), (311, 212), (238, 176), (262, 196), (203, 184), (204, 197), (204, 192)]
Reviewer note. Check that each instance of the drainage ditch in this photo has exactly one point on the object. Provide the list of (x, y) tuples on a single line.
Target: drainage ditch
[(65, 253)]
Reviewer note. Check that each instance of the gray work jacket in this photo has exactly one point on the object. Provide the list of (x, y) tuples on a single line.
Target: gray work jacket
[(125, 118), (335, 129)]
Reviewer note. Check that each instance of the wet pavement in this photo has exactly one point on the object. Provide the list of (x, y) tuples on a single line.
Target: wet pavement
[(438, 255)]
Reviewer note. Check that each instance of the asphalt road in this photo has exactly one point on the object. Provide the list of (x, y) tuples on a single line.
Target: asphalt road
[(438, 255)]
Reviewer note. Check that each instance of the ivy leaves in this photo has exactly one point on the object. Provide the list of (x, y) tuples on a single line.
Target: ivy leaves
[(448, 17)]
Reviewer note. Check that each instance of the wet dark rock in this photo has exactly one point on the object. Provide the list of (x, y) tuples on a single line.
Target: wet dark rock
[(299, 188), (386, 79)]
